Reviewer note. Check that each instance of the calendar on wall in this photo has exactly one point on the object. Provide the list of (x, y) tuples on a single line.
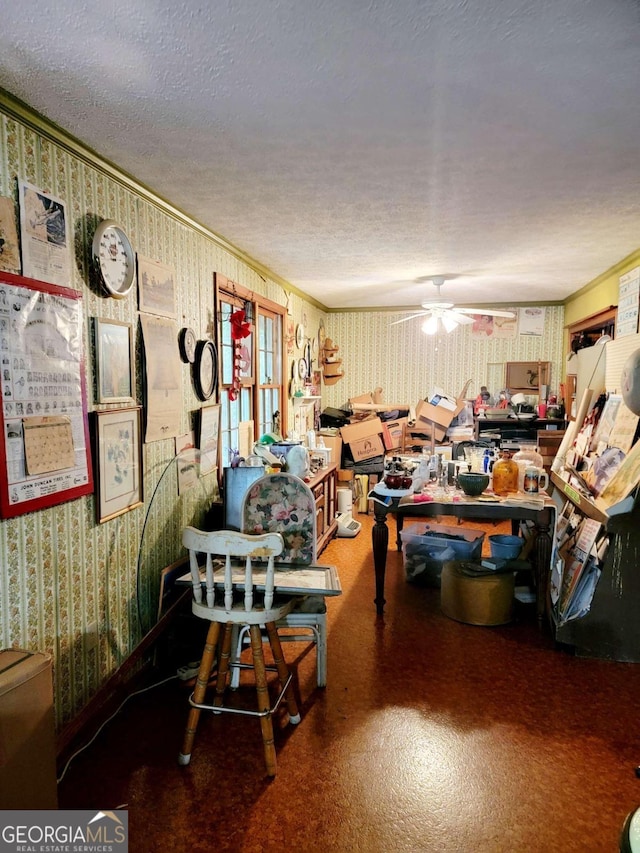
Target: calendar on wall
[(45, 452)]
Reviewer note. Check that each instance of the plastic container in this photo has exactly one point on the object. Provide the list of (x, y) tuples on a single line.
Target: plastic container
[(503, 545), (427, 547)]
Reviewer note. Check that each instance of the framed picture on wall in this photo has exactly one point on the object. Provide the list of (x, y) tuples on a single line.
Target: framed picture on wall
[(118, 462), (527, 376), (208, 438), (156, 288), (114, 361)]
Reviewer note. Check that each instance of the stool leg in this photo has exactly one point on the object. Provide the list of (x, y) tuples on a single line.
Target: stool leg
[(223, 663), (283, 671), (266, 722), (198, 694)]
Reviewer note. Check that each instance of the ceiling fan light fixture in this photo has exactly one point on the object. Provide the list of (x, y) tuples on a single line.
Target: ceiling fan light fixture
[(430, 325)]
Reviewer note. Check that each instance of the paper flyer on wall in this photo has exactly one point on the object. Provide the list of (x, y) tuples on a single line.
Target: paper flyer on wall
[(45, 236)]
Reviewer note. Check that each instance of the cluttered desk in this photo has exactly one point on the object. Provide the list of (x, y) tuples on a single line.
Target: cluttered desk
[(540, 510)]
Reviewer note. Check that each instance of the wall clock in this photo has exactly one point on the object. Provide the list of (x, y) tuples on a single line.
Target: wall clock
[(205, 369), (187, 342), (114, 257), (303, 369)]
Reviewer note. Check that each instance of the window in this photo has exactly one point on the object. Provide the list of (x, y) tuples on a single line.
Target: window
[(251, 372), (269, 372)]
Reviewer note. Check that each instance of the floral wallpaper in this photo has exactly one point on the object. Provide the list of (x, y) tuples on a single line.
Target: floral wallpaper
[(407, 364), (86, 593)]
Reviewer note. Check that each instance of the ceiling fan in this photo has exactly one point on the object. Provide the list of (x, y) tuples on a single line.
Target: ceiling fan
[(437, 311)]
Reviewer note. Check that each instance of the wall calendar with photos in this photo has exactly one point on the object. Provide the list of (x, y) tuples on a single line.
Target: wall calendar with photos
[(45, 453)]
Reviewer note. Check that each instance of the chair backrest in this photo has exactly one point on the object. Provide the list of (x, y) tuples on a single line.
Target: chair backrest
[(231, 545), (282, 503)]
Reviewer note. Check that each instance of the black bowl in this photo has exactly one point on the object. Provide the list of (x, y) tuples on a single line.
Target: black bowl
[(472, 484)]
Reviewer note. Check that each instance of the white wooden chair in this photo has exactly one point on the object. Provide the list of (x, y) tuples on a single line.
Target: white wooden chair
[(237, 604), (285, 504)]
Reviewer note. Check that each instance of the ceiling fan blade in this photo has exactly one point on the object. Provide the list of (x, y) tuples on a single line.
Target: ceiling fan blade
[(488, 313), (410, 317), (462, 319)]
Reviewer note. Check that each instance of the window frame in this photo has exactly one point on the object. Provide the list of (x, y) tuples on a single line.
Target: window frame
[(251, 392)]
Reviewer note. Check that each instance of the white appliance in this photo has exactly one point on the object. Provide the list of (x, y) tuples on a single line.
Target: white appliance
[(348, 527), (345, 501)]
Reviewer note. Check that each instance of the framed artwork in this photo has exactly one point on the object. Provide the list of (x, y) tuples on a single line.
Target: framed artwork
[(208, 438), (114, 361), (156, 288), (527, 375), (118, 462)]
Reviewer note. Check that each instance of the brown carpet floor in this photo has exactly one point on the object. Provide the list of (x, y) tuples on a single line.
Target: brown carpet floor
[(431, 735)]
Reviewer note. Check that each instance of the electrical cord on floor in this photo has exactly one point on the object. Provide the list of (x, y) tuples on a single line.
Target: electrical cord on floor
[(108, 720)]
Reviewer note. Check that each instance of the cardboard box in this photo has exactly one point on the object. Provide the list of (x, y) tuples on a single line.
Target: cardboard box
[(366, 448), (364, 439), (392, 433), (361, 430), (422, 432), (438, 411), (334, 443)]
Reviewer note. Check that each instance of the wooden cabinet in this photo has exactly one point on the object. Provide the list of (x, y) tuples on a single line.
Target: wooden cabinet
[(324, 488), (611, 628)]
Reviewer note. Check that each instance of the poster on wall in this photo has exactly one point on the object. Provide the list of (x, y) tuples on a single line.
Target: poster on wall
[(162, 378), (531, 321), (45, 454), (44, 236), (628, 303)]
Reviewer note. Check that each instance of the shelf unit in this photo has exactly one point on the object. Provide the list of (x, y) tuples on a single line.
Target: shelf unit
[(305, 398), (611, 628)]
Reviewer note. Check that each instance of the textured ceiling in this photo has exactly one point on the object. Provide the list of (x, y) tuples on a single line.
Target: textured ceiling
[(353, 146)]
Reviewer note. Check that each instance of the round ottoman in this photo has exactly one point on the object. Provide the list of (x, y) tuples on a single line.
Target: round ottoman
[(476, 598)]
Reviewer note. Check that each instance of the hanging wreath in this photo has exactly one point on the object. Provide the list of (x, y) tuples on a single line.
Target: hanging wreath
[(240, 329)]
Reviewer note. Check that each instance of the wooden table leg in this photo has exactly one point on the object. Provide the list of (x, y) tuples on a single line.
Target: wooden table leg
[(543, 546), (380, 542)]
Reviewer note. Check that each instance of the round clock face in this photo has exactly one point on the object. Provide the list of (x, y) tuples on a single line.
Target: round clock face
[(205, 369), (187, 343), (303, 368), (115, 258)]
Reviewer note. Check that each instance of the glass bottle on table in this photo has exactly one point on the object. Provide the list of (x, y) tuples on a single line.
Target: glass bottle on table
[(526, 457), (505, 474)]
